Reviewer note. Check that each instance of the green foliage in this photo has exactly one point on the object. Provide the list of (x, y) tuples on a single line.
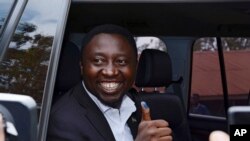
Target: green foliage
[(26, 28), (23, 71)]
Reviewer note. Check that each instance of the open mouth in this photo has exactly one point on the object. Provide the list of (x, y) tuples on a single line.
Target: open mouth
[(110, 87)]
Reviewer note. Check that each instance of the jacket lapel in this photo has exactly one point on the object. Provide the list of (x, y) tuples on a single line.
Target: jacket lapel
[(94, 114), (133, 123), (135, 118)]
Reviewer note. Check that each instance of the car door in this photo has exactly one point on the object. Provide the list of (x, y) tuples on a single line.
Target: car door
[(10, 13), (30, 42)]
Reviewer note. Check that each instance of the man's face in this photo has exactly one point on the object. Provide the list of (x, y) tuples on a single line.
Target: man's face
[(108, 67)]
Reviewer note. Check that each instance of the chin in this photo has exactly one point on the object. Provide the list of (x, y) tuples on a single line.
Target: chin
[(115, 103)]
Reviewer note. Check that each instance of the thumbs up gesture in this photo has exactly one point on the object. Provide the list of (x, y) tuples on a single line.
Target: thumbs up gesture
[(152, 130), (145, 111)]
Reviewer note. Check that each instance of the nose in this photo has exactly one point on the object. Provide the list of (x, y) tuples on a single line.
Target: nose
[(110, 70)]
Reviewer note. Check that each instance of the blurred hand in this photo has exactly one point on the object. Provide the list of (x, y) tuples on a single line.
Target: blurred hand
[(1, 128), (218, 136)]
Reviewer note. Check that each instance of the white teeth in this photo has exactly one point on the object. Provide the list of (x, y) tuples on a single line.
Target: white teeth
[(110, 86)]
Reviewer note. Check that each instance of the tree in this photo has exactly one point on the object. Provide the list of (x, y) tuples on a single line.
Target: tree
[(23, 71), (21, 36)]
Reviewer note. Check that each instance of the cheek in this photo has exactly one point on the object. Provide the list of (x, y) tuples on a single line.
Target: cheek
[(129, 73), (89, 71)]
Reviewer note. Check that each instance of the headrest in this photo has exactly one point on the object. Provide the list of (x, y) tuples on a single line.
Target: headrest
[(69, 72), (154, 69)]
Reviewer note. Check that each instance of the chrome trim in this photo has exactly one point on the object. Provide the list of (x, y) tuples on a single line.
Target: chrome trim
[(52, 71), (208, 117), (11, 26)]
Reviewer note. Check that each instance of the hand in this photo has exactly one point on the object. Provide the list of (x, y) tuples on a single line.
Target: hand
[(154, 130), (218, 136), (1, 128)]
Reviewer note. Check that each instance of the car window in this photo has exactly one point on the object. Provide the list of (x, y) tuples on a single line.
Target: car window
[(24, 67), (5, 10), (236, 56), (206, 86)]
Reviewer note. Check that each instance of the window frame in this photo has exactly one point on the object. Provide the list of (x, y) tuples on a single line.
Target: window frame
[(10, 25), (7, 17), (52, 71)]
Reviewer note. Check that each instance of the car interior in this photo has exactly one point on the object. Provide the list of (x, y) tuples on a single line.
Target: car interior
[(178, 24), (155, 70)]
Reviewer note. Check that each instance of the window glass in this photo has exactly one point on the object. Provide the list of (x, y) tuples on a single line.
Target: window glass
[(24, 68), (206, 80), (206, 85), (150, 43), (237, 66), (5, 7)]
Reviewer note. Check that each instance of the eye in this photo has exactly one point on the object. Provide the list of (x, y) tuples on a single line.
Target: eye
[(98, 61), (121, 62)]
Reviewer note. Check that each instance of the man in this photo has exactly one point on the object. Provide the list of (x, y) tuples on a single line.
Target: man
[(197, 107), (100, 108)]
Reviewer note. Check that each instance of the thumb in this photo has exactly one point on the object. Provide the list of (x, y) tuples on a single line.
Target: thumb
[(218, 136), (145, 111)]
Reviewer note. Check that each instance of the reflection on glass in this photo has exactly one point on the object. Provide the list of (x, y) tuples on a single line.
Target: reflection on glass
[(24, 68), (5, 6)]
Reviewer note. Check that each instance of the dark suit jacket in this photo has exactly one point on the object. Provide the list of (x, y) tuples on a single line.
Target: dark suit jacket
[(75, 117)]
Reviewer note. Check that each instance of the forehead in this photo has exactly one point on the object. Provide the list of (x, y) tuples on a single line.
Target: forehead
[(105, 42)]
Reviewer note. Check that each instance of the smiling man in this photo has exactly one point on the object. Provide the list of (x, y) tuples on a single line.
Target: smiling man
[(109, 67), (100, 108)]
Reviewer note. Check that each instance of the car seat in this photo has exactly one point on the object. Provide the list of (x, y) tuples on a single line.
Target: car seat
[(69, 72), (155, 70)]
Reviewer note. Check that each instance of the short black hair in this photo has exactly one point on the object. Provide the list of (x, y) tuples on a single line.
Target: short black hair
[(112, 29)]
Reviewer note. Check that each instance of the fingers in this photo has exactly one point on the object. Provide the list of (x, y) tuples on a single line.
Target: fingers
[(154, 123), (145, 111), (160, 123), (157, 128), (218, 136), (160, 132), (154, 130), (165, 138)]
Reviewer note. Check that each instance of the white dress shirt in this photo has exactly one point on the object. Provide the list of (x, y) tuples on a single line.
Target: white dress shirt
[(117, 118)]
